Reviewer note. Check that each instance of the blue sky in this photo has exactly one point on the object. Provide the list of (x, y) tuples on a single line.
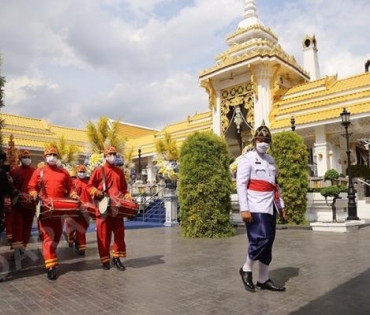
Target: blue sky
[(138, 60)]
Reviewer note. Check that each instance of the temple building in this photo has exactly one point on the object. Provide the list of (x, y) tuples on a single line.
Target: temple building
[(253, 81)]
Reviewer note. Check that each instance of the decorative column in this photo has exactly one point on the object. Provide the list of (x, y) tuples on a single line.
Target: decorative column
[(170, 202), (262, 75), (321, 150)]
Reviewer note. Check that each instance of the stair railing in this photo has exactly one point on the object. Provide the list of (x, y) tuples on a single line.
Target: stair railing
[(147, 197), (147, 215)]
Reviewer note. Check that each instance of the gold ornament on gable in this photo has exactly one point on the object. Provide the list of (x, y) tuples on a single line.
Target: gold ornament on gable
[(240, 95)]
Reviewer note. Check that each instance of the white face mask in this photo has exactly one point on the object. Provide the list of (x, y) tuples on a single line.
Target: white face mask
[(81, 175), (110, 159), (51, 159), (26, 162), (262, 147)]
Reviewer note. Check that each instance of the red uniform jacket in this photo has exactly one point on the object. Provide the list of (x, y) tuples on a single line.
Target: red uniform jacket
[(115, 180), (81, 189), (55, 180), (21, 175)]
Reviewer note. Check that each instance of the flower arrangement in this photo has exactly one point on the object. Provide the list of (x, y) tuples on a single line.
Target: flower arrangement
[(167, 169), (93, 161), (234, 165)]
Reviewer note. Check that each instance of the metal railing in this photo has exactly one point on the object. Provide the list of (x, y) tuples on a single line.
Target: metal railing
[(146, 197)]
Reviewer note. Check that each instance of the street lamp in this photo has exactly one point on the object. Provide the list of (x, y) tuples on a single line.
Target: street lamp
[(292, 123), (352, 207), (139, 175)]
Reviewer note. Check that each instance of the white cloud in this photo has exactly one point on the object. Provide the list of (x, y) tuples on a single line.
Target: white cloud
[(71, 61)]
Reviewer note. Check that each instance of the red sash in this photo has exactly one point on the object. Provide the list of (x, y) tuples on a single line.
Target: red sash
[(261, 185)]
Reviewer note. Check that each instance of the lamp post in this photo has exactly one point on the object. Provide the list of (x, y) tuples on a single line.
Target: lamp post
[(292, 123), (139, 171), (352, 207)]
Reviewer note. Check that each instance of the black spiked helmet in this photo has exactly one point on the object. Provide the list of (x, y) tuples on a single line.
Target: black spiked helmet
[(262, 132)]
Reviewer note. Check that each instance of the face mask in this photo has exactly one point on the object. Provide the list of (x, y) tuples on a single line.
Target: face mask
[(81, 175), (51, 159), (110, 159), (26, 162), (262, 147)]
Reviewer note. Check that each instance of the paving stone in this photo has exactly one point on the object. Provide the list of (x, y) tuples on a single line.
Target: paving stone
[(324, 273)]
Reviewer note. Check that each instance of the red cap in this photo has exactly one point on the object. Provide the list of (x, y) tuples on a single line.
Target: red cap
[(24, 153), (81, 168), (109, 150), (51, 150)]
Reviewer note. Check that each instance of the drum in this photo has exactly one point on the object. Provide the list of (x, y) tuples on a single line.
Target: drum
[(122, 208), (103, 205), (55, 208), (89, 208), (24, 201)]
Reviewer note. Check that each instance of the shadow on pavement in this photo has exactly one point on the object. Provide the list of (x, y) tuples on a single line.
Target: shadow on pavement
[(349, 298), (281, 276), (144, 261)]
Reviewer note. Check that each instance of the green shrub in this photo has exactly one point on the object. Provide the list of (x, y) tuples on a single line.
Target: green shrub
[(291, 157), (360, 170), (204, 187)]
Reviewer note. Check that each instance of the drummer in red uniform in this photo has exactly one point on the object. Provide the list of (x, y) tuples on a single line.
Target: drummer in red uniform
[(81, 223), (51, 181), (24, 209), (115, 185)]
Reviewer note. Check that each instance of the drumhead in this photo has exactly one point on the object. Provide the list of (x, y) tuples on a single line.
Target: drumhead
[(103, 205), (38, 209)]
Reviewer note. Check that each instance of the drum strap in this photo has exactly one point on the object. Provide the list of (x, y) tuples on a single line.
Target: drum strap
[(42, 185), (105, 189)]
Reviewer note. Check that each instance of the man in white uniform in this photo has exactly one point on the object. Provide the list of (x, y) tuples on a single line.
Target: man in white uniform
[(259, 200)]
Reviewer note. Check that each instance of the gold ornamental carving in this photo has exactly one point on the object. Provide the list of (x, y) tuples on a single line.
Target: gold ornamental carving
[(239, 95), (207, 84)]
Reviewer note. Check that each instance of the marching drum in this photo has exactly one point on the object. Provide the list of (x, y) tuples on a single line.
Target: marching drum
[(89, 208), (122, 208), (55, 208), (103, 205), (24, 201)]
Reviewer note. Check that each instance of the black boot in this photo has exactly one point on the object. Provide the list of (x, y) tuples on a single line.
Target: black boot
[(106, 266), (118, 264), (52, 273), (247, 280)]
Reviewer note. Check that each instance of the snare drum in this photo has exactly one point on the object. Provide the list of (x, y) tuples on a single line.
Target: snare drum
[(122, 208), (55, 208)]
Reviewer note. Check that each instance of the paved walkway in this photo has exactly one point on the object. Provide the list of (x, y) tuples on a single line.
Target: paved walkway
[(325, 273)]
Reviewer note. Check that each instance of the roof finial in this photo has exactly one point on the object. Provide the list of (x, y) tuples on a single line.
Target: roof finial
[(250, 9), (250, 14)]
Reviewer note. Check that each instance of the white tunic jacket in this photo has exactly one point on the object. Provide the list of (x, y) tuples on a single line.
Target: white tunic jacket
[(256, 183)]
